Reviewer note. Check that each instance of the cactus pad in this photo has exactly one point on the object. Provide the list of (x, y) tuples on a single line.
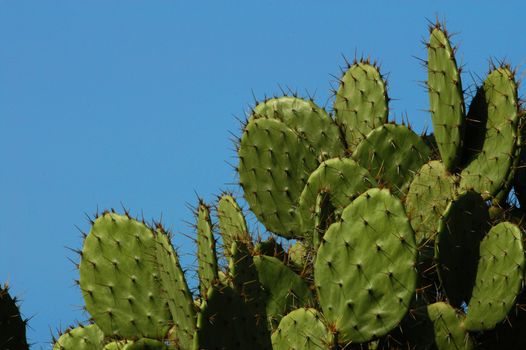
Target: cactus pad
[(81, 338), (232, 223), (342, 178), (12, 326), (302, 329), (499, 277), (283, 289), (446, 97), (120, 280), (461, 228), (361, 103), (449, 332), (175, 292), (392, 154), (492, 134), (306, 119), (206, 249), (429, 194), (274, 165), (365, 268)]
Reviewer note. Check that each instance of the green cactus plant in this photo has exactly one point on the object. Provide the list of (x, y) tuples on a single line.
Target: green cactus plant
[(12, 325), (401, 240)]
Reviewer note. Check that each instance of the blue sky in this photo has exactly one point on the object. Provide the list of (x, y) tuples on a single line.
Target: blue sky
[(104, 103)]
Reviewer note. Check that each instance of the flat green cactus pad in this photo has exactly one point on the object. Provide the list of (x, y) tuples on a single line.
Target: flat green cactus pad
[(461, 228), (302, 329), (206, 249), (342, 178), (361, 103), (306, 119), (449, 332), (392, 154), (446, 97), (283, 289), (232, 223), (225, 322), (491, 134), (499, 277), (12, 326), (274, 165), (429, 193), (175, 292), (120, 280), (365, 271), (88, 337)]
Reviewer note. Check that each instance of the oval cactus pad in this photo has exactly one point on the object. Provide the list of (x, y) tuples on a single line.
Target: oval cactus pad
[(392, 154), (120, 279), (365, 268), (499, 277), (361, 103), (274, 165)]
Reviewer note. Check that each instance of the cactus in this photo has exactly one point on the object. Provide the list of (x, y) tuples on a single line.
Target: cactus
[(499, 277), (490, 155), (12, 325), (392, 153), (361, 102), (461, 228), (88, 337), (302, 329), (401, 240), (120, 280), (364, 271), (206, 249), (446, 97)]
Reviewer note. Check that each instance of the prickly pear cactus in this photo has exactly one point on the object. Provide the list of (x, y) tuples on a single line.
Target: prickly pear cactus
[(12, 325), (381, 238)]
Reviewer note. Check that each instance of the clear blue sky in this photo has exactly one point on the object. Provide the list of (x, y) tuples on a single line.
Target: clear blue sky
[(110, 102)]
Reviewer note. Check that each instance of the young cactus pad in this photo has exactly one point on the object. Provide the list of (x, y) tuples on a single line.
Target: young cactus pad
[(206, 249), (361, 102), (446, 97)]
